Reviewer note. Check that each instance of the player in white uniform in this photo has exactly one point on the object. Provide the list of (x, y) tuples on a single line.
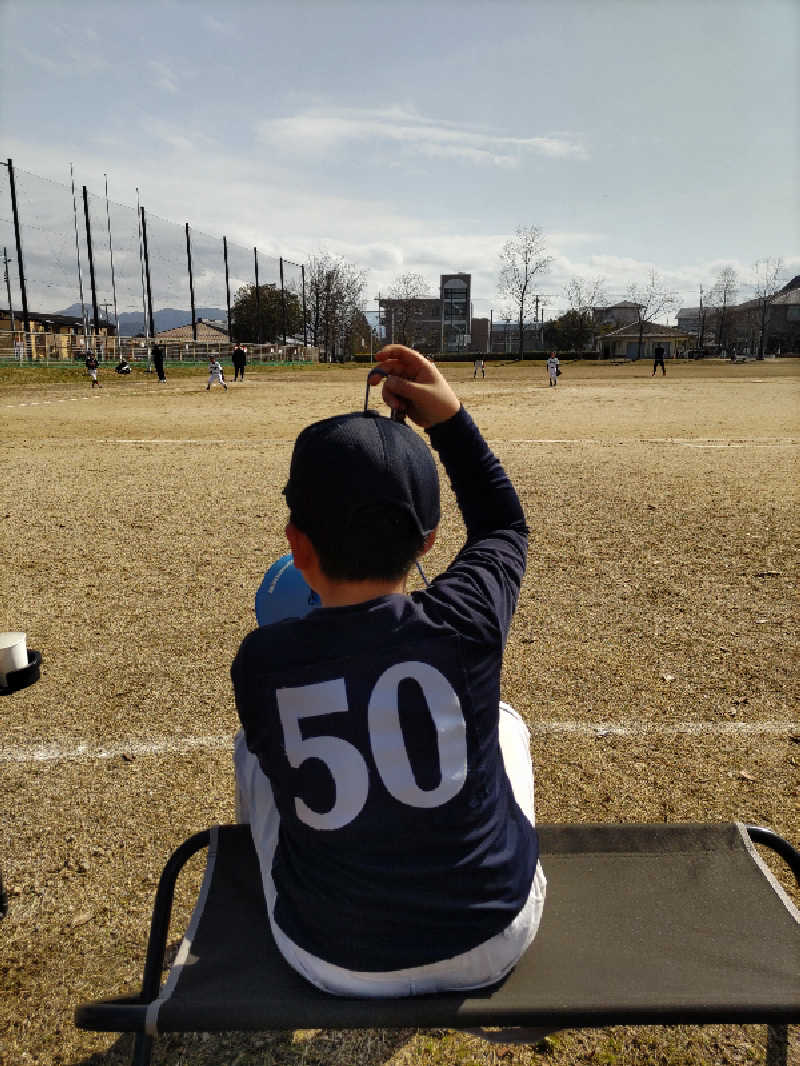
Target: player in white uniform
[(552, 369), (215, 373)]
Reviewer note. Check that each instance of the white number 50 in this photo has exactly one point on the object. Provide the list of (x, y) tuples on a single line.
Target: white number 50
[(347, 765)]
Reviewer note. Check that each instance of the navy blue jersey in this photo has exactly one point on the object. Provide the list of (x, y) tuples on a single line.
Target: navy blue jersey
[(377, 724)]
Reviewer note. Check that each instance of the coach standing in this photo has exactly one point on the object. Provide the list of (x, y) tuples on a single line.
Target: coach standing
[(239, 358), (157, 355)]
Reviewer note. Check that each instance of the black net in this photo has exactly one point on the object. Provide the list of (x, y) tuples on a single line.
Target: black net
[(169, 270), (118, 264), (47, 216), (7, 242), (208, 273), (241, 268)]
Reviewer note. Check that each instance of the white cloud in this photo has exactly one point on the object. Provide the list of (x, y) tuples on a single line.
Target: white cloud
[(215, 25), (175, 137), (164, 77), (319, 131)]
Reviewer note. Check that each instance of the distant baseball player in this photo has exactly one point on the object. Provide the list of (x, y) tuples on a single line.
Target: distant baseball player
[(389, 792), (91, 369), (215, 372), (658, 360), (553, 370), (479, 364)]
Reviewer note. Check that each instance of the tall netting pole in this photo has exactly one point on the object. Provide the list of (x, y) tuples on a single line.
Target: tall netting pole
[(111, 259), (26, 322), (90, 253), (227, 287), (283, 303), (191, 281), (258, 299), (305, 314), (80, 272), (145, 329), (147, 275)]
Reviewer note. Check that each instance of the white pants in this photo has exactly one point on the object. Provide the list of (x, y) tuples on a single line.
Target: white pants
[(476, 968)]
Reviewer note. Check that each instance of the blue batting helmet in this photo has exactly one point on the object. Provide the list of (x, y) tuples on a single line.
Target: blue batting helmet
[(284, 593)]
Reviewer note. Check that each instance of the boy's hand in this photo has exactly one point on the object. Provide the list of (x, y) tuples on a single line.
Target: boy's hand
[(416, 386)]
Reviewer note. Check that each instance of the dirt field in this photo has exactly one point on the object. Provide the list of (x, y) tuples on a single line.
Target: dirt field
[(654, 652)]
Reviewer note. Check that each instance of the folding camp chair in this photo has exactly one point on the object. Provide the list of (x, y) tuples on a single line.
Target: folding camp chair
[(10, 682), (643, 925)]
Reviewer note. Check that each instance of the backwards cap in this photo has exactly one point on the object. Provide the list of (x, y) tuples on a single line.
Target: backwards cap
[(347, 462)]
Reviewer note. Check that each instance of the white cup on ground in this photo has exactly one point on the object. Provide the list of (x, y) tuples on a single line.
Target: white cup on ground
[(13, 654)]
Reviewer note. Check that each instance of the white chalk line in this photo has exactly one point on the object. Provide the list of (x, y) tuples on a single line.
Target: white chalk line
[(700, 442), (55, 752), (259, 441), (147, 389)]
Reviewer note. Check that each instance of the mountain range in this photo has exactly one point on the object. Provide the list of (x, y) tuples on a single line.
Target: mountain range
[(131, 323)]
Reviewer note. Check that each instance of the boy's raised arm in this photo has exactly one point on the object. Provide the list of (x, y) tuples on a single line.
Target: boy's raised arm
[(416, 386)]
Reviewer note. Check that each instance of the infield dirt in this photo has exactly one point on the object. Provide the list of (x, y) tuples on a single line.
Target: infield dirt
[(654, 652)]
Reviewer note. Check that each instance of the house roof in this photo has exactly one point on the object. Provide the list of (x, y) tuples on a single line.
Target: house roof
[(206, 331), (790, 297), (620, 303), (650, 329)]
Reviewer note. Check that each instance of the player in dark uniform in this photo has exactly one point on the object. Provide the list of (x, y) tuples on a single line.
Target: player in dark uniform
[(388, 789), (658, 360)]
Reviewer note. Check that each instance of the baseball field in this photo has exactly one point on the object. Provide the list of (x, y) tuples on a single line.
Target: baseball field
[(654, 653)]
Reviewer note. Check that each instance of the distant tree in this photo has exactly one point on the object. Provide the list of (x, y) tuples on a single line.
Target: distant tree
[(335, 295), (522, 258), (652, 299), (722, 295), (406, 290), (257, 316), (766, 285), (583, 295)]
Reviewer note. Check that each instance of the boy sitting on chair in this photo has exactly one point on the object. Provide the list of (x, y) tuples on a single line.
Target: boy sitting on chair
[(389, 792)]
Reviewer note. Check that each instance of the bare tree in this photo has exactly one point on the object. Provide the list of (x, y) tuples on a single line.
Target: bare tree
[(521, 259), (400, 301), (335, 297), (583, 296), (766, 283), (723, 292), (651, 299)]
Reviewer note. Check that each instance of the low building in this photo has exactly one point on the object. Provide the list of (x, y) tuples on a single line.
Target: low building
[(52, 337), (505, 337), (624, 342), (740, 328)]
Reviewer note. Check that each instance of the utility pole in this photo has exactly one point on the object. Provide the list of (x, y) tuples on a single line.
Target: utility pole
[(701, 323), (305, 310), (6, 261)]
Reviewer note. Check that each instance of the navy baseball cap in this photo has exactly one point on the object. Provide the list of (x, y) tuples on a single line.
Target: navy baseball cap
[(348, 462)]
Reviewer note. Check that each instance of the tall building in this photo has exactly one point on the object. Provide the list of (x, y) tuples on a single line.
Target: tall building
[(430, 324), (455, 294)]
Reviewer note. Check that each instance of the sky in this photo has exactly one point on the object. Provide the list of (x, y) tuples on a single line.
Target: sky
[(417, 136)]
